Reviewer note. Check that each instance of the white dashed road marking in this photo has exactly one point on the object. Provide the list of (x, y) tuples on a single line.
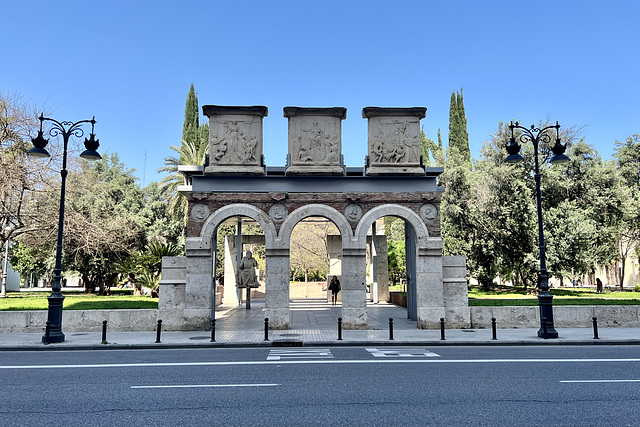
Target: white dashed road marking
[(401, 352), (312, 353)]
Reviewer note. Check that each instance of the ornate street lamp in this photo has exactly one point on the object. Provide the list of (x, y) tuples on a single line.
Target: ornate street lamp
[(536, 136), (53, 332)]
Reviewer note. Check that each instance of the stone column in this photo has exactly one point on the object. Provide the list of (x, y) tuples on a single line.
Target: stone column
[(382, 267), (198, 300), (276, 300), (334, 250), (354, 304), (429, 289), (230, 296)]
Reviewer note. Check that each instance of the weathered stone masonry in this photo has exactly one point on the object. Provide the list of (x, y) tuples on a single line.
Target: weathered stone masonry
[(314, 183)]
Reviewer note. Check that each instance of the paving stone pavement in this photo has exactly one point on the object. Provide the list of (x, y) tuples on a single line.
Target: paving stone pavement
[(315, 323)]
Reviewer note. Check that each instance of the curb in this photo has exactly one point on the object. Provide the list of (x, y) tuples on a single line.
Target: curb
[(269, 344)]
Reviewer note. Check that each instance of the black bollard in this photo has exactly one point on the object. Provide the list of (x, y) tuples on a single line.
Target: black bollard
[(158, 331), (391, 328), (442, 328), (595, 328), (493, 328), (266, 329), (47, 332), (339, 328), (104, 332), (545, 331), (213, 330)]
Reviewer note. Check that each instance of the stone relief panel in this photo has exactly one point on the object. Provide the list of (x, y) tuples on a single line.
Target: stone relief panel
[(394, 141), (235, 140), (315, 140)]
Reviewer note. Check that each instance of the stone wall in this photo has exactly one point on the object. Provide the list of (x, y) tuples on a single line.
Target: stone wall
[(565, 316), (81, 320), (506, 317)]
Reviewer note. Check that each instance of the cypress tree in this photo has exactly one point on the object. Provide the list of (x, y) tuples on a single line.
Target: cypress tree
[(458, 136), (190, 128)]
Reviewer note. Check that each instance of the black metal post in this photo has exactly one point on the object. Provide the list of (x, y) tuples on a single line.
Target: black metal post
[(339, 328), (493, 329), (158, 330), (104, 332), (595, 328), (213, 330), (442, 328), (390, 328), (66, 129), (266, 329), (545, 329)]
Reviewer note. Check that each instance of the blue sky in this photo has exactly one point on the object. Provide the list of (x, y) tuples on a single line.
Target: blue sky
[(130, 64)]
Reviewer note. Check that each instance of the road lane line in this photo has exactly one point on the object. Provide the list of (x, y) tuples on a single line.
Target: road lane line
[(318, 362), (600, 381), (203, 385)]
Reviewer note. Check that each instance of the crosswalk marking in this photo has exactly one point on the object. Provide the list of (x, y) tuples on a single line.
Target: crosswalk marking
[(311, 353), (401, 352)]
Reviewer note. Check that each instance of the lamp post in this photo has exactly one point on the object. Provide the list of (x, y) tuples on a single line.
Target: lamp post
[(66, 129), (536, 136)]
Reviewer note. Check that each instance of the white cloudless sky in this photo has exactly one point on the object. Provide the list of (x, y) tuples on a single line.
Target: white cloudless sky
[(130, 64)]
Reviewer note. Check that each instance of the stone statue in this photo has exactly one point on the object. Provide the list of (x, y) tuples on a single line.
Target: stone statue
[(246, 276)]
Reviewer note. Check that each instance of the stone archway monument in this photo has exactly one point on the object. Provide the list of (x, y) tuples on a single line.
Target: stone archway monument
[(313, 183)]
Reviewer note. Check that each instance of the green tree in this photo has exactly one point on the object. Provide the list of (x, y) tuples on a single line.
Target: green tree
[(458, 136), (429, 150), (188, 154), (192, 131), (23, 180), (102, 226)]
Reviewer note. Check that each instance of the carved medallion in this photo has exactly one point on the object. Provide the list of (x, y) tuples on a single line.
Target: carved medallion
[(199, 212), (278, 212), (428, 212), (353, 212)]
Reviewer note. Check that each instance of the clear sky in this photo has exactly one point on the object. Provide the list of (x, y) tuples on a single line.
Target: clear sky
[(130, 64)]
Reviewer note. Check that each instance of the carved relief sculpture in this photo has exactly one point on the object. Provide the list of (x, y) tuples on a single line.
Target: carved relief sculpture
[(315, 140), (394, 140), (235, 140)]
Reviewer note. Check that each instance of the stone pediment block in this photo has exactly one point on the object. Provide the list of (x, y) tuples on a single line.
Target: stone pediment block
[(315, 140), (235, 140)]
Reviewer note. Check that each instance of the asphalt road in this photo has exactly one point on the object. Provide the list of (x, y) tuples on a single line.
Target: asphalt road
[(350, 386)]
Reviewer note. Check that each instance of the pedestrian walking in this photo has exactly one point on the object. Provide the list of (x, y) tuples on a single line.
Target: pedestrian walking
[(598, 285), (334, 287)]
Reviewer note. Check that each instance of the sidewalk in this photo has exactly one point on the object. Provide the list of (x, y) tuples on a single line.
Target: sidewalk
[(315, 323)]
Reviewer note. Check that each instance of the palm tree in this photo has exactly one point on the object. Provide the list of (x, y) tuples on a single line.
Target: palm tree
[(188, 154)]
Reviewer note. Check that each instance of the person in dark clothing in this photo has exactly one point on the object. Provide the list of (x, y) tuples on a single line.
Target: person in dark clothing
[(598, 285), (334, 287)]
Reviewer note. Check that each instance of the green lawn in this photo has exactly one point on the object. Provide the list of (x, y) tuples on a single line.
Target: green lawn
[(507, 296), (18, 301)]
